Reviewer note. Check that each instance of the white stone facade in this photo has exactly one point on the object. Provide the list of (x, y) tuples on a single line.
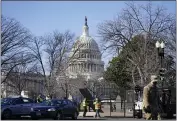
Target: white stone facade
[(86, 57)]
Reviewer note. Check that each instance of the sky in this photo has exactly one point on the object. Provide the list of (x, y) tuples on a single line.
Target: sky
[(46, 16)]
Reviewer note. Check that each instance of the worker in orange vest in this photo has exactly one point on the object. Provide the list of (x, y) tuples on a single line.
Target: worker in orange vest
[(97, 104)]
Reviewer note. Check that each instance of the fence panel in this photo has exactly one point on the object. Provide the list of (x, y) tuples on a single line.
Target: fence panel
[(119, 107)]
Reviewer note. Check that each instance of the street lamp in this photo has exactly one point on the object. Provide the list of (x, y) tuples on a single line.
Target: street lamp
[(160, 47)]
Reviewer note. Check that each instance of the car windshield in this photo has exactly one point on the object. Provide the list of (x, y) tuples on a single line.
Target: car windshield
[(52, 102), (6, 101), (47, 103), (57, 102)]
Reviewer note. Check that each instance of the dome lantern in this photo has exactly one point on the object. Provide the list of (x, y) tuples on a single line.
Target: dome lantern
[(85, 28)]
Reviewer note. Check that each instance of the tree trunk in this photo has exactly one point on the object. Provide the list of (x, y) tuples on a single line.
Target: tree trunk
[(141, 76), (133, 78), (19, 92)]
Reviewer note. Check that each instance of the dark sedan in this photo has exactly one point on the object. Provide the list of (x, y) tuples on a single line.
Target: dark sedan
[(56, 109), (16, 106)]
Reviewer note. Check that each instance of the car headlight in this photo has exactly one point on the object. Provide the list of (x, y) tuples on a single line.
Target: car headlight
[(51, 109), (32, 109)]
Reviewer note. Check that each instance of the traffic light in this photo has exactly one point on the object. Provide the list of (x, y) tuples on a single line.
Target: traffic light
[(162, 71)]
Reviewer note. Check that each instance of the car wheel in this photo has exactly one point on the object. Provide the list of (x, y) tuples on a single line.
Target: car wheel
[(34, 118), (7, 114), (58, 116), (74, 117), (18, 117)]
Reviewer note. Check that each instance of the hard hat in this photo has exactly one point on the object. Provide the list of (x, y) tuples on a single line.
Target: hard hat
[(154, 78)]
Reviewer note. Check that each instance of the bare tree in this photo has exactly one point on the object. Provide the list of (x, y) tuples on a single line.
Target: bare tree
[(14, 37), (54, 49), (70, 86), (137, 20), (17, 79)]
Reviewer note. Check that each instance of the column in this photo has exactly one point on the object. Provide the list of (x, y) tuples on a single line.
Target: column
[(96, 68), (77, 65), (86, 67), (89, 67), (72, 67), (81, 67)]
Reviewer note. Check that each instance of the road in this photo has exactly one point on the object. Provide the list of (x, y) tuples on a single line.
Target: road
[(92, 118)]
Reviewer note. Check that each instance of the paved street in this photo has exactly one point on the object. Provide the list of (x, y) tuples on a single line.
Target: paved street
[(102, 118)]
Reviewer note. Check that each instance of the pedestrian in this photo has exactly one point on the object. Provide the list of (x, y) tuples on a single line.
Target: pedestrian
[(115, 107), (151, 100), (97, 104), (85, 104), (48, 97), (39, 99)]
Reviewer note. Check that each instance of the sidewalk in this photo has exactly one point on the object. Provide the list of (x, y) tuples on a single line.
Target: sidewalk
[(107, 114)]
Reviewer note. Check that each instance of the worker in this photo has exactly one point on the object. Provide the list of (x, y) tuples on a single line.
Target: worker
[(97, 104), (39, 99), (151, 100), (85, 104), (48, 97)]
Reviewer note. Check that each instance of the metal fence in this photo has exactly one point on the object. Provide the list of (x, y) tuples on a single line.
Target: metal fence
[(119, 107)]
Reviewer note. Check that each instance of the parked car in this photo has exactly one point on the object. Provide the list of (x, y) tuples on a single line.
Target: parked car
[(15, 106), (55, 109)]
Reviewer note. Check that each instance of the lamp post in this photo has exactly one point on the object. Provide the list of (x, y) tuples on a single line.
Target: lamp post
[(160, 47)]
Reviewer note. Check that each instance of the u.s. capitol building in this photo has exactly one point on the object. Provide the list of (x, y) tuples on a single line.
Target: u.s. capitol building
[(86, 57)]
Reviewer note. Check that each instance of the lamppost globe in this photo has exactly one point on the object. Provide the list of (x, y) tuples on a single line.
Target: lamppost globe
[(157, 44)]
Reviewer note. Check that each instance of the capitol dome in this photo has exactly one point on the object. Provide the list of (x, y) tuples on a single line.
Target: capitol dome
[(88, 42), (87, 57)]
